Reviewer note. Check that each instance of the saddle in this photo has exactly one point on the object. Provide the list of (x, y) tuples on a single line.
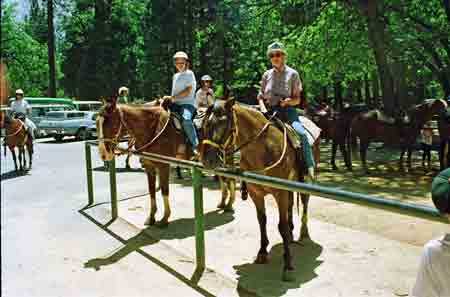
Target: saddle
[(400, 119)]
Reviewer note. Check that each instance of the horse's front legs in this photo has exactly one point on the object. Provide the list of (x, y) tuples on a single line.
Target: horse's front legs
[(363, 152), (258, 200), (21, 158), (164, 175), (304, 232), (334, 146), (151, 178), (400, 162), (283, 227), (409, 157), (13, 152)]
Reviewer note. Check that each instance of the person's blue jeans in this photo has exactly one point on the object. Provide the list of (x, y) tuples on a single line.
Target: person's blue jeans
[(291, 114), (186, 111)]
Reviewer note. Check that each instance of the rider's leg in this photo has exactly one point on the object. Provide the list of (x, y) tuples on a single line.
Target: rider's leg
[(188, 125), (298, 127), (31, 127)]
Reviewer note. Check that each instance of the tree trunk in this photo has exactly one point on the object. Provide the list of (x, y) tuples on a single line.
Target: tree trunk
[(377, 40), (51, 51), (338, 95), (367, 90), (376, 89)]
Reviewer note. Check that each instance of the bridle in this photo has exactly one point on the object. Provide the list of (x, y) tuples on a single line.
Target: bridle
[(228, 147)]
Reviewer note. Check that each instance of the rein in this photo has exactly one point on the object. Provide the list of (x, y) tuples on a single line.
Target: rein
[(18, 130), (228, 147)]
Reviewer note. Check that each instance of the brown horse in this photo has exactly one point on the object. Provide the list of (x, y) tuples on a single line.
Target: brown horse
[(444, 134), (264, 149), (153, 132), (370, 126), (17, 136), (336, 126)]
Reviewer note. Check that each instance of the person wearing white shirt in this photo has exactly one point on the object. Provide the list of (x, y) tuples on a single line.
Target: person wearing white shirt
[(205, 95), (21, 106), (433, 278)]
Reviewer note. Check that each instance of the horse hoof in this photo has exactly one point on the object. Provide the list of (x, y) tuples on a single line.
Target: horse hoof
[(304, 236), (162, 224), (228, 208), (262, 259), (288, 275), (150, 221)]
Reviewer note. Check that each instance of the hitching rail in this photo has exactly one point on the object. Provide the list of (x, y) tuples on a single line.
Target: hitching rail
[(410, 209)]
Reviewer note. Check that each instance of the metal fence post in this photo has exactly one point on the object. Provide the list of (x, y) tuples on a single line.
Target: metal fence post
[(113, 187), (89, 174), (199, 218)]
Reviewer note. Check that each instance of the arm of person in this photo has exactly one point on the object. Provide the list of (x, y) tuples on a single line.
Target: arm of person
[(294, 100), (183, 93)]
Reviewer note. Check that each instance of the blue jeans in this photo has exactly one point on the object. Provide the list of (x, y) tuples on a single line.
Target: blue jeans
[(186, 111), (291, 114)]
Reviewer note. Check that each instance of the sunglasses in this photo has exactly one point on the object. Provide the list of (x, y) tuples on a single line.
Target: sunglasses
[(277, 55), (180, 63)]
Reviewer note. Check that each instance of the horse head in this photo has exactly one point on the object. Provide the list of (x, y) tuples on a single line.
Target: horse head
[(425, 111), (108, 129), (218, 128)]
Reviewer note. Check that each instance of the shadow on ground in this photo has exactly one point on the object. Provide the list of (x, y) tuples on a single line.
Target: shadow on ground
[(265, 279)]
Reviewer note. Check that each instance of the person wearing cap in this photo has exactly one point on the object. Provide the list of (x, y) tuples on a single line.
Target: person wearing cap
[(204, 96), (123, 95), (280, 92), (433, 278), (182, 98), (21, 106)]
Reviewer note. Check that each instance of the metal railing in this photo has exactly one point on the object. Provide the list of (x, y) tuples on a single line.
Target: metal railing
[(321, 191)]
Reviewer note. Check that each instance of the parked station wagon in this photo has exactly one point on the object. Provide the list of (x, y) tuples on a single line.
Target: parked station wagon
[(58, 124)]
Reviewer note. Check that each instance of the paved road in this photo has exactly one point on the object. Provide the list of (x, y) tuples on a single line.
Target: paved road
[(46, 242)]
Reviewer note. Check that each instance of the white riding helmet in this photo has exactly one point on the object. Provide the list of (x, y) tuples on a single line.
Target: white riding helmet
[(181, 55), (19, 92), (206, 78), (123, 89)]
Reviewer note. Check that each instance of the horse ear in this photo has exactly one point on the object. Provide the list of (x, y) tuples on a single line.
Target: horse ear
[(229, 103)]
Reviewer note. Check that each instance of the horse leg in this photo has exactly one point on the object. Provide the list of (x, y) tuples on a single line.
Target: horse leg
[(127, 162), (409, 157), (231, 185), (223, 187), (402, 154), (179, 175), (151, 178), (24, 158), (283, 228), (363, 152), (30, 152), (258, 200), (13, 152), (334, 146), (291, 216), (304, 233), (20, 158), (164, 174)]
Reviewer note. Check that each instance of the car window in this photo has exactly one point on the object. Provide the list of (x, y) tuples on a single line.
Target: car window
[(58, 115), (94, 116), (75, 115)]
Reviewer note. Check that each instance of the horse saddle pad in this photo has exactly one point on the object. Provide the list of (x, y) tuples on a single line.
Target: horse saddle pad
[(312, 131), (176, 121)]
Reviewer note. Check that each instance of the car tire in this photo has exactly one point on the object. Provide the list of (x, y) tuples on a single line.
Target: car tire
[(82, 134), (58, 138)]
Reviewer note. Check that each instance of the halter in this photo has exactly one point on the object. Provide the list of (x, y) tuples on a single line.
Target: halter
[(228, 147)]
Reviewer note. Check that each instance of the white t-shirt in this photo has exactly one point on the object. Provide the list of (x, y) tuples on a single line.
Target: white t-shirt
[(201, 100), (433, 278), (21, 106), (181, 81)]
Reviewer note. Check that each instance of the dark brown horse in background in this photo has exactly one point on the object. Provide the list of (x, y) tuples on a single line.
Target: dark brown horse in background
[(369, 127), (264, 149), (154, 133), (444, 135), (335, 126)]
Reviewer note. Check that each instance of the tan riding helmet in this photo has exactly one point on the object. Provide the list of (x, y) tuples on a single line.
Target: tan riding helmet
[(19, 92), (276, 47), (181, 54), (123, 89)]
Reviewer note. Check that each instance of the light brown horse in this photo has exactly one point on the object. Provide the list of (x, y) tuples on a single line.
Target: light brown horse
[(264, 149), (152, 131), (17, 136), (369, 127)]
